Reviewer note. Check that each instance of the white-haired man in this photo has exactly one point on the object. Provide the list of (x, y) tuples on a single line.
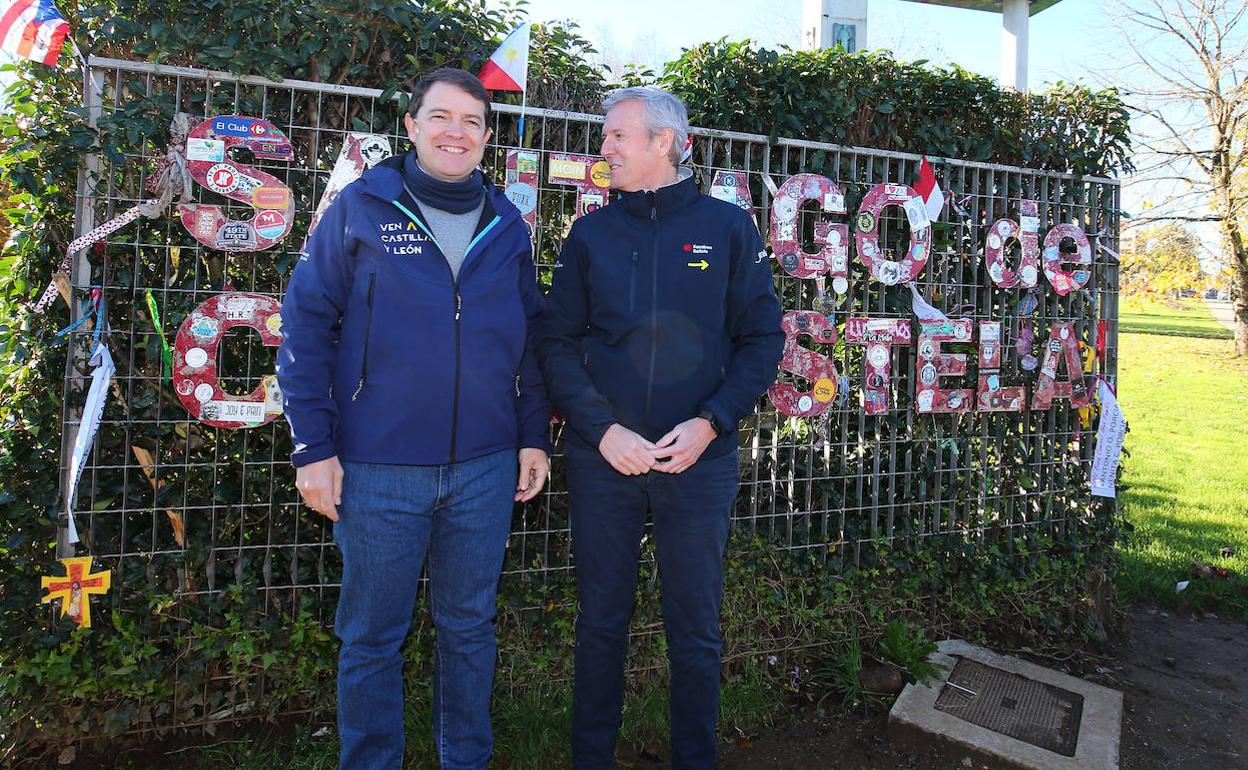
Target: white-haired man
[(661, 330)]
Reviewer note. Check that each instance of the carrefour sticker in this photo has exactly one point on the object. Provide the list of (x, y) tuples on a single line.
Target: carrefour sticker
[(270, 197), (222, 178), (270, 224), (205, 149), (523, 196), (237, 126)]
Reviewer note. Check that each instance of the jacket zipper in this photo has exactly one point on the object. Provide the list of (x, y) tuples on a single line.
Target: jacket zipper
[(632, 284), (654, 305), (368, 334)]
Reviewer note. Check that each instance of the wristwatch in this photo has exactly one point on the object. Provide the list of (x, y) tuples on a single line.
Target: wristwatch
[(709, 416)]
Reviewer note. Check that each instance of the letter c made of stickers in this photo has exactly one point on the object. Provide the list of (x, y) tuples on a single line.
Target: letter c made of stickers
[(212, 150)]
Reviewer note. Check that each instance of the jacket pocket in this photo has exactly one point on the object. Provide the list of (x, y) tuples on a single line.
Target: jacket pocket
[(368, 333)]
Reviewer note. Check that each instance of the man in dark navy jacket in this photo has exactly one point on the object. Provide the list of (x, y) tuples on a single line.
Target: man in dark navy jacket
[(413, 394), (661, 330)]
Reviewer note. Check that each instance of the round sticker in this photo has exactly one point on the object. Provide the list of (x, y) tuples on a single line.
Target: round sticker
[(274, 324), (222, 178), (955, 400), (825, 390), (925, 399), (840, 285), (270, 224), (927, 375), (927, 349), (994, 241), (600, 173), (1029, 274), (866, 222), (1064, 333), (1004, 227), (196, 357), (804, 403), (878, 356), (184, 387), (522, 196), (203, 392)]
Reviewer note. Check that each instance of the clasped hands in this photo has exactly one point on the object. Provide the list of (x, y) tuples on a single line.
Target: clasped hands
[(632, 455)]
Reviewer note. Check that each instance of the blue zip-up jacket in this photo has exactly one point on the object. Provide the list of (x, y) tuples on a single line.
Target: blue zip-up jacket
[(386, 358), (662, 305)]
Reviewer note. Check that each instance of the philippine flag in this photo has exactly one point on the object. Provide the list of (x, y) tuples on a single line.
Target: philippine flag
[(929, 190), (32, 29), (508, 68)]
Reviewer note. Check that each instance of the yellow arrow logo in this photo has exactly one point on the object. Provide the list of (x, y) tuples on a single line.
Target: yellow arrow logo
[(701, 265)]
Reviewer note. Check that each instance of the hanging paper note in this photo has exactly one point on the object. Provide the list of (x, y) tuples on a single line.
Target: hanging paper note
[(1109, 437), (101, 375), (359, 153), (195, 377), (590, 176), (271, 199), (521, 186), (75, 589)]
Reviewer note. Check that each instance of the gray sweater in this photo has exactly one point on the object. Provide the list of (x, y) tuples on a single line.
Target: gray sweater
[(453, 232)]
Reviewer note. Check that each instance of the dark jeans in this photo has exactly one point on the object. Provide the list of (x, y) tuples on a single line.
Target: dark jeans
[(391, 517), (691, 513)]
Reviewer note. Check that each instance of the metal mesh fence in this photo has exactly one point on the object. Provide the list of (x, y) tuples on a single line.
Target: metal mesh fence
[(215, 509)]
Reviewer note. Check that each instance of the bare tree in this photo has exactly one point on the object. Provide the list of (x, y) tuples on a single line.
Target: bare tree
[(1194, 109)]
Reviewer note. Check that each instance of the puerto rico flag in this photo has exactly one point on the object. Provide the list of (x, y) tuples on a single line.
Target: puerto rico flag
[(508, 68), (32, 29)]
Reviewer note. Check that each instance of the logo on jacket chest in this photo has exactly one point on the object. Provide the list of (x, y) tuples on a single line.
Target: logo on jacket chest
[(401, 238), (698, 249)]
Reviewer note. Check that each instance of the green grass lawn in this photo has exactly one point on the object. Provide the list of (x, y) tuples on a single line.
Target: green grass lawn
[(1186, 401)]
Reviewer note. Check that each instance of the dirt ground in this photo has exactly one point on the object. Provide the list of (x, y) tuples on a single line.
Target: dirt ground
[(1185, 686)]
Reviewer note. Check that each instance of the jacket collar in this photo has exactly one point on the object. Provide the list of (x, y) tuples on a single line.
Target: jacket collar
[(663, 201), (385, 182)]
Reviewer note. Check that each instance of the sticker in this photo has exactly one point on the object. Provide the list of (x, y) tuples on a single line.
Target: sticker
[(825, 390), (270, 197), (233, 411), (840, 285), (1005, 228), (522, 196), (203, 326), (994, 241), (925, 400), (272, 394), (927, 375), (203, 392), (1030, 275), (236, 126), (567, 169), (962, 331), (890, 272), (374, 149), (916, 214), (222, 178), (865, 222), (526, 163), (833, 202), (206, 224), (184, 387), (955, 399), (236, 235), (239, 308), (270, 224), (994, 383), (927, 348), (591, 202), (196, 357), (212, 150), (804, 403), (274, 324), (1029, 224), (878, 356), (600, 173)]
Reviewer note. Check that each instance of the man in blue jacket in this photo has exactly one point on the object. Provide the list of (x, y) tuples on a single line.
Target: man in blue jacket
[(661, 330), (410, 383)]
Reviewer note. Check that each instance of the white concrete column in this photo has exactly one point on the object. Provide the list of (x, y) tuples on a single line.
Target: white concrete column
[(1014, 18)]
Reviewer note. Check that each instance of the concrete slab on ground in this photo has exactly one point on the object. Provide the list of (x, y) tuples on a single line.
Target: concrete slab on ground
[(1034, 705)]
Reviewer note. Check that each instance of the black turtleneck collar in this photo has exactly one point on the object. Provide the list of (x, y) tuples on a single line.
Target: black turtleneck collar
[(660, 202), (456, 197)]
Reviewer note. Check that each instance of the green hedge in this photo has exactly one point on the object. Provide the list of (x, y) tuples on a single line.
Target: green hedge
[(61, 683)]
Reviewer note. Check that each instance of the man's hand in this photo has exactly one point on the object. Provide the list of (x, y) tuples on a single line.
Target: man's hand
[(627, 452), (683, 445), (534, 468), (320, 485)]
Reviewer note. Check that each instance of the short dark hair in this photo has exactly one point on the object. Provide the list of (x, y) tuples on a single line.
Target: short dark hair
[(464, 81)]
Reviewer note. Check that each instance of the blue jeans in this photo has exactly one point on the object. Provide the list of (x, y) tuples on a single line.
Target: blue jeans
[(691, 513), (390, 517)]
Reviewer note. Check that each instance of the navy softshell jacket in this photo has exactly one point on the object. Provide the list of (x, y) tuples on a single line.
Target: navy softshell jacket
[(662, 305), (387, 358)]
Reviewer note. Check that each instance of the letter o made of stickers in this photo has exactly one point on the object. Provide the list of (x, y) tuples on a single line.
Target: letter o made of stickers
[(195, 361), (1064, 282), (210, 165), (804, 362), (867, 234), (833, 257)]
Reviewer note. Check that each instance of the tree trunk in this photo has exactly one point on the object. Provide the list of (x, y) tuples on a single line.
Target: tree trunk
[(1239, 296)]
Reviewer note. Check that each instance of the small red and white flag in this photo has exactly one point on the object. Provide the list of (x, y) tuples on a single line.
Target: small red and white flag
[(32, 29), (508, 68), (930, 191)]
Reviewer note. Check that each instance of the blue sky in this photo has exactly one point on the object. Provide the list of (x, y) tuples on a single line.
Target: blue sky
[(1066, 39)]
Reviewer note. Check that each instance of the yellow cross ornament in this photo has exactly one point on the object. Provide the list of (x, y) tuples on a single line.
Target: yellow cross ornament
[(75, 589)]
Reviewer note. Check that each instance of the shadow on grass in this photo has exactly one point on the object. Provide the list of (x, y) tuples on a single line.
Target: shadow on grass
[(1133, 326)]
